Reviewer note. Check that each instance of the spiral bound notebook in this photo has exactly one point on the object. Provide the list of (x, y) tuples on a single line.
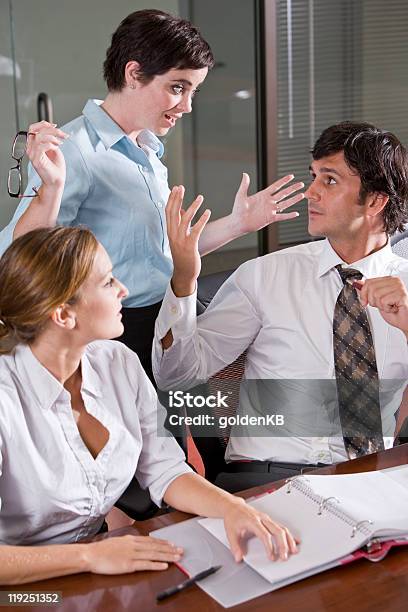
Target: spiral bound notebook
[(333, 516)]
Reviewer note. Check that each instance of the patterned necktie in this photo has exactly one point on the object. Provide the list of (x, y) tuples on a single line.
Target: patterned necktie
[(356, 372)]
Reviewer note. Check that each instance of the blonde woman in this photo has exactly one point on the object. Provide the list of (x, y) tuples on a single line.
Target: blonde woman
[(78, 419)]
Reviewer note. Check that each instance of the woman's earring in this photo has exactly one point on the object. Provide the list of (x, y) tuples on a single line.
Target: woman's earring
[(131, 86)]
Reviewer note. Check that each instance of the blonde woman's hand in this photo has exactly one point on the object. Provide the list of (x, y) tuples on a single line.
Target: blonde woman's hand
[(43, 150), (241, 521), (130, 553)]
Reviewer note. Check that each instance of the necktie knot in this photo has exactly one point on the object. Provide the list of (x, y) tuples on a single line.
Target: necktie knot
[(348, 273)]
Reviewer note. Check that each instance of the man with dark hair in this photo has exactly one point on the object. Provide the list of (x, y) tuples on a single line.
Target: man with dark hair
[(329, 367), (380, 161)]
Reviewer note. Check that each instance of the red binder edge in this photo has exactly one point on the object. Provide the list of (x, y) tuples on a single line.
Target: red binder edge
[(376, 551)]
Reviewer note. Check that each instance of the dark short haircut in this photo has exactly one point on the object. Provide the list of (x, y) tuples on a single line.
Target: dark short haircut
[(380, 160), (159, 42)]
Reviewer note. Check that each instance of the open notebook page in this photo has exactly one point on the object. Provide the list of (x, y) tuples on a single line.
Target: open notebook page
[(399, 473), (378, 496), (326, 537)]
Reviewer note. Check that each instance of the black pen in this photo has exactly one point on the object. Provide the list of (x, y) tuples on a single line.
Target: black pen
[(187, 583)]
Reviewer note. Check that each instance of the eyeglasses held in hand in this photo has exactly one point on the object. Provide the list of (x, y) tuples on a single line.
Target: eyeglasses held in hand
[(15, 178)]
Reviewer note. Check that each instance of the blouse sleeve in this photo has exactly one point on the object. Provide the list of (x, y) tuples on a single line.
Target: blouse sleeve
[(161, 459)]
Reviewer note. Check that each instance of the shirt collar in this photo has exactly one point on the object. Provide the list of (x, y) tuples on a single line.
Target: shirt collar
[(370, 266), (43, 385), (147, 138), (91, 381), (110, 133)]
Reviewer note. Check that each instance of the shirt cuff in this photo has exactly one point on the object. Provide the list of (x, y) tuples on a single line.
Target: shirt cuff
[(158, 489), (178, 314)]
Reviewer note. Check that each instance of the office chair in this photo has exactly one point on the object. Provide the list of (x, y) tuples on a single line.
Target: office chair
[(212, 449)]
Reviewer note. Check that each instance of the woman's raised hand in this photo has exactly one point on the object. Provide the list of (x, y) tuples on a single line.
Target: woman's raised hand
[(43, 150)]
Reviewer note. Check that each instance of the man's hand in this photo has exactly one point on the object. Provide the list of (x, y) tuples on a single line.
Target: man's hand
[(43, 150), (390, 296), (252, 213), (183, 239)]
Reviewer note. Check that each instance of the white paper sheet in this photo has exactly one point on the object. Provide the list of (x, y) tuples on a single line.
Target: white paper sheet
[(326, 537)]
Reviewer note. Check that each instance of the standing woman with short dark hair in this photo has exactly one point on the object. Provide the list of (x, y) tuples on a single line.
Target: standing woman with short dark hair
[(116, 184)]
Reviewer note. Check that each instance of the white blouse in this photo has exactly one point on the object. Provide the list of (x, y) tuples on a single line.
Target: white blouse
[(51, 488)]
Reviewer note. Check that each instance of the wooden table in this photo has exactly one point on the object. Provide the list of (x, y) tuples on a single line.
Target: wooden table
[(357, 587)]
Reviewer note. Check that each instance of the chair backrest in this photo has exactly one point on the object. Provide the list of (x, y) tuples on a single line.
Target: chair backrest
[(228, 380), (207, 287), (399, 244), (212, 449), (401, 248)]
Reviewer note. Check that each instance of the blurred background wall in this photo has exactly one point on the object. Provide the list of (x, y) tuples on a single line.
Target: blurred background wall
[(285, 70)]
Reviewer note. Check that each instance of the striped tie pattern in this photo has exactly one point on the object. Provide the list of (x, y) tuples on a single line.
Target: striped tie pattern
[(356, 372)]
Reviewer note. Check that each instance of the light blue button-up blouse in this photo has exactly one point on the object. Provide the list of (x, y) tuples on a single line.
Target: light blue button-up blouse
[(118, 190)]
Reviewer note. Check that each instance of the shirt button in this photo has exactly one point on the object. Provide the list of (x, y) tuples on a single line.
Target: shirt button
[(160, 204), (145, 169), (174, 310)]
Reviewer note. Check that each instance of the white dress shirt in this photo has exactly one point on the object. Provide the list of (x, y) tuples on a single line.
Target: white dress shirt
[(52, 490), (281, 306)]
